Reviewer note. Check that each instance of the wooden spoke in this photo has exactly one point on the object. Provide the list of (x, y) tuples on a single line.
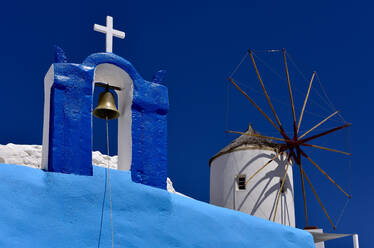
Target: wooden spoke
[(257, 135), (326, 148), (305, 101), (262, 167), (325, 133), (291, 146), (254, 104), (298, 161), (319, 124), (281, 187), (323, 172), (290, 92), (265, 92), (316, 195)]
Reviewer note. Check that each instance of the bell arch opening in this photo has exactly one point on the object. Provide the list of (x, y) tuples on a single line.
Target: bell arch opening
[(115, 76), (99, 140)]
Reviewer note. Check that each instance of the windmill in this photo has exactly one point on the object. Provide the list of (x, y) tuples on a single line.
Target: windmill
[(293, 143)]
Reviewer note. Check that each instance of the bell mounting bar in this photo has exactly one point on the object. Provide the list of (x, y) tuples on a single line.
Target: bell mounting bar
[(107, 86)]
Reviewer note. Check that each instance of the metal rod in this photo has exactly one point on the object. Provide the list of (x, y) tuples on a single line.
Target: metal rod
[(316, 195), (104, 85), (263, 88), (262, 167), (281, 187), (326, 148), (290, 92), (323, 172), (305, 101), (319, 124), (325, 133), (256, 135), (254, 104)]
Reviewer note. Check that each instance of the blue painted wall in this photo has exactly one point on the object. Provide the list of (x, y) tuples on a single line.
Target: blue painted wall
[(43, 209), (70, 138), (70, 135)]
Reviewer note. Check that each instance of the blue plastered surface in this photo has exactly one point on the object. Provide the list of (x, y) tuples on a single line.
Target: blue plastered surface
[(44, 209)]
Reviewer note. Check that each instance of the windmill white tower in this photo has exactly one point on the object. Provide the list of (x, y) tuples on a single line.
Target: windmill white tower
[(254, 175), (238, 182)]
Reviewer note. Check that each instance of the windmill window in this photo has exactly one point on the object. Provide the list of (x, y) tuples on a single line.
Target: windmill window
[(241, 182)]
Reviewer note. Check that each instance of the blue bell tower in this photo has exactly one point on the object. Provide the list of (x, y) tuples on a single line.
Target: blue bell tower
[(142, 125)]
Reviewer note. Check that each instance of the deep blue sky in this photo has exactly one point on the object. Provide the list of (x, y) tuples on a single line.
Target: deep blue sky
[(199, 44)]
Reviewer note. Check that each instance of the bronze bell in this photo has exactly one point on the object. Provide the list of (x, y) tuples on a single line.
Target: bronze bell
[(106, 109)]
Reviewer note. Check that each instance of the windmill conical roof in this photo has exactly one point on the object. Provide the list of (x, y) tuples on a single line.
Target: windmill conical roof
[(246, 141)]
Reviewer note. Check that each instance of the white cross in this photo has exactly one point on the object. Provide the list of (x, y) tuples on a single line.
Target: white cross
[(109, 33)]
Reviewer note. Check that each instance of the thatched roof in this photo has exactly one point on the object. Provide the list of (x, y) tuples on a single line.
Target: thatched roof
[(248, 141)]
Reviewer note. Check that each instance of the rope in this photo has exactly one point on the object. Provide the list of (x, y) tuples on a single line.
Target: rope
[(328, 99), (241, 61), (110, 191), (267, 50), (102, 211), (228, 92), (342, 213), (284, 103), (296, 89), (107, 178), (307, 81), (329, 103), (325, 104), (348, 144), (227, 107)]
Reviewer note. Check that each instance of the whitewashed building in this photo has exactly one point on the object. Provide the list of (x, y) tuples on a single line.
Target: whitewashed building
[(232, 167)]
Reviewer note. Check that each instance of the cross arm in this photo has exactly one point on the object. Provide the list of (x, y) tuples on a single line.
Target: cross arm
[(119, 34), (100, 28)]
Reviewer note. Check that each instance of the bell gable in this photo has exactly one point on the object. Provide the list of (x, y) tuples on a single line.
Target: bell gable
[(142, 125)]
